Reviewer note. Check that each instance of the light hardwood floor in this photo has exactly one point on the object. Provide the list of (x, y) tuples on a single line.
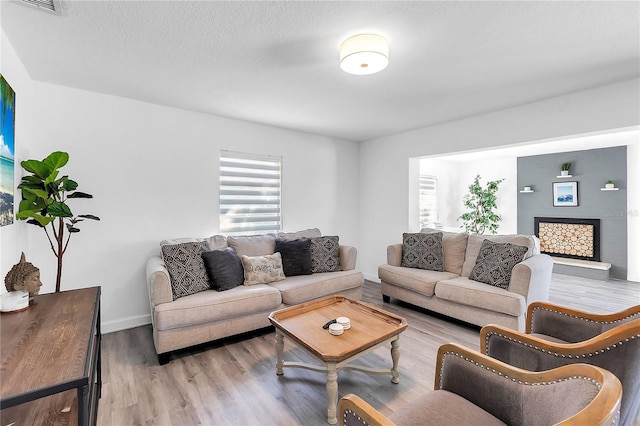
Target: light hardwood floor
[(233, 382)]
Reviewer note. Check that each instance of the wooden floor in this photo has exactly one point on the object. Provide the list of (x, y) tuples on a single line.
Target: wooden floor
[(233, 382)]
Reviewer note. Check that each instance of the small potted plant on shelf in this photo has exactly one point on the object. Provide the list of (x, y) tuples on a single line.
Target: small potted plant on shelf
[(527, 188), (564, 169), (609, 184)]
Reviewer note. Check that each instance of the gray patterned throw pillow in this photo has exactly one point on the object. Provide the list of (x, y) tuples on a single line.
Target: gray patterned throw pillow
[(423, 251), (495, 263), (186, 268), (325, 254)]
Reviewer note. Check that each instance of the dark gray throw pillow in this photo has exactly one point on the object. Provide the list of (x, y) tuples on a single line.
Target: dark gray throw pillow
[(423, 251), (224, 268), (325, 254), (296, 256), (186, 268), (495, 263)]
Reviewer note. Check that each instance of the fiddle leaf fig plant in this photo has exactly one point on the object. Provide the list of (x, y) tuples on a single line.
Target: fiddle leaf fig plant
[(44, 203), (480, 203)]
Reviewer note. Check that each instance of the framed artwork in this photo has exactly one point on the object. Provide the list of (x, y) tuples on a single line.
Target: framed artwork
[(7, 150), (565, 194)]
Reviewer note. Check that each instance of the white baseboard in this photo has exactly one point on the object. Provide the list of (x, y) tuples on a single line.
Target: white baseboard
[(370, 277), (123, 324)]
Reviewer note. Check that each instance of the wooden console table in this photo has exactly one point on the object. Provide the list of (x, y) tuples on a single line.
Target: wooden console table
[(50, 360)]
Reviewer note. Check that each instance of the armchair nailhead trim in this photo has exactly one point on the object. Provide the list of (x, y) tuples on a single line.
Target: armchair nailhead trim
[(539, 308), (597, 352), (493, 370), (349, 412)]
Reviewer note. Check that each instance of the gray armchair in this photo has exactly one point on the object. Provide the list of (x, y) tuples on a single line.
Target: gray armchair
[(559, 336), (474, 389)]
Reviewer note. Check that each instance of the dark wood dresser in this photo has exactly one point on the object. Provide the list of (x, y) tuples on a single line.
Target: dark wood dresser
[(50, 360)]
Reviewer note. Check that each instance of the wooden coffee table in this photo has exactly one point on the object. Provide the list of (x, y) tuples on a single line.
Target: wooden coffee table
[(371, 327)]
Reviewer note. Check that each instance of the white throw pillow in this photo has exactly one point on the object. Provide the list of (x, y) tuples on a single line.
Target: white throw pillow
[(262, 269)]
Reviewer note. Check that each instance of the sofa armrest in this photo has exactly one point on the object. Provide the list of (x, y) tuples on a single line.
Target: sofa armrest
[(394, 255), (348, 258), (355, 411), (531, 278), (158, 282)]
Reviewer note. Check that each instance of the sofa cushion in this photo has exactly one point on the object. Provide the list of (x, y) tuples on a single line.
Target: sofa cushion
[(472, 293), (262, 269), (303, 288), (305, 233), (454, 246), (419, 280), (296, 256), (217, 242), (175, 241), (325, 254), (186, 268), (224, 268), (475, 242), (210, 306), (443, 408), (253, 245), (423, 251), (495, 263)]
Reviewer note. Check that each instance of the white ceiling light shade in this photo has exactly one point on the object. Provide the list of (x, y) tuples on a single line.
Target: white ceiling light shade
[(364, 54)]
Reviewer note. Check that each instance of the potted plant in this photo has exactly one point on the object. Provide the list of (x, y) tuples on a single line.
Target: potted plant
[(44, 203), (564, 169), (481, 202), (527, 188), (609, 184)]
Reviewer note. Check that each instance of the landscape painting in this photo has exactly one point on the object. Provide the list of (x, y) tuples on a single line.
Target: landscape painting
[(7, 151), (565, 194)]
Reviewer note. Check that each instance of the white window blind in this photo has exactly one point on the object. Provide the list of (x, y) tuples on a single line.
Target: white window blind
[(249, 193), (428, 200)]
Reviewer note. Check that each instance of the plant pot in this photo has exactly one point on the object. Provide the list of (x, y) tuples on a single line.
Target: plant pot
[(609, 186), (527, 188), (564, 172)]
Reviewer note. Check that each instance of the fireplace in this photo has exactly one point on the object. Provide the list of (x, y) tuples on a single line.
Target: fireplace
[(566, 237)]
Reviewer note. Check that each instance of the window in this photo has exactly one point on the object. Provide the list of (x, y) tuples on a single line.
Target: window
[(249, 193), (428, 201)]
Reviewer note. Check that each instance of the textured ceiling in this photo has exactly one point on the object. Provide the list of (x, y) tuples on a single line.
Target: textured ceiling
[(277, 62)]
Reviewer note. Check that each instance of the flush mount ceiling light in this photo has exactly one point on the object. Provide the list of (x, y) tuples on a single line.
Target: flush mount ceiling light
[(364, 54)]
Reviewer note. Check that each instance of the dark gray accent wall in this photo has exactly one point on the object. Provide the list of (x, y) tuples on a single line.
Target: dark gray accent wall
[(591, 169)]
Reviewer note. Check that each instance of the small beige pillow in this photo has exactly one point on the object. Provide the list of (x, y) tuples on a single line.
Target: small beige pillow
[(262, 269)]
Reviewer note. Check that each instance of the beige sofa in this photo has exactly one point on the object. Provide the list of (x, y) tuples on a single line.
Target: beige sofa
[(453, 294), (209, 315)]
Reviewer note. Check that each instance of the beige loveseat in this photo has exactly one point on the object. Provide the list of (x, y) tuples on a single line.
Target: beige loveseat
[(209, 315), (451, 292)]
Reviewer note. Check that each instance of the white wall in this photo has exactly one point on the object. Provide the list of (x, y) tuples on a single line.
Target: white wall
[(384, 171), (633, 211), (153, 172), (454, 178)]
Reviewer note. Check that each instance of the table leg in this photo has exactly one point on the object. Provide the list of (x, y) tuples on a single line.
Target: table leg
[(83, 408), (332, 393), (395, 356), (279, 350)]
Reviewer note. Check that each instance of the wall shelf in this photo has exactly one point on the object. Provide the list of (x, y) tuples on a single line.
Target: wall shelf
[(609, 189), (562, 177), (526, 192)]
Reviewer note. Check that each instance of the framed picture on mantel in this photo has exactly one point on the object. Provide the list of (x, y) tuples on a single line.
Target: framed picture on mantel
[(565, 194)]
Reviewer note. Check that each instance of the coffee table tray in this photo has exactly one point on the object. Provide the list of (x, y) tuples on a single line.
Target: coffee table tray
[(370, 325)]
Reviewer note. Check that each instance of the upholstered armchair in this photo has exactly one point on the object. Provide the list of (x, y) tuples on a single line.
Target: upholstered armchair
[(474, 389), (559, 336)]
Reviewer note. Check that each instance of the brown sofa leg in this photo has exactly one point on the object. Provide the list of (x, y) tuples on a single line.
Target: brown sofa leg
[(386, 299), (164, 358)]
